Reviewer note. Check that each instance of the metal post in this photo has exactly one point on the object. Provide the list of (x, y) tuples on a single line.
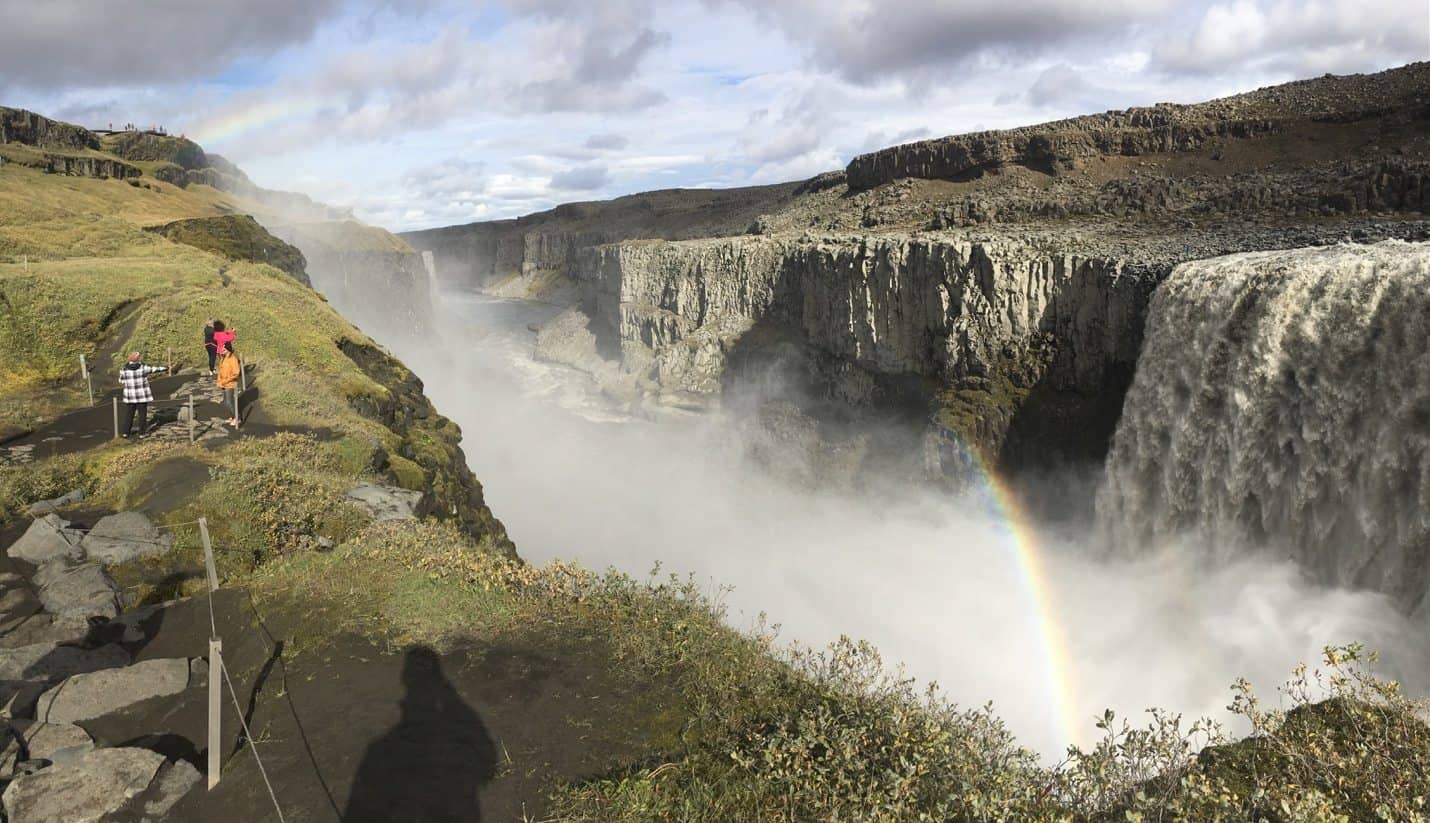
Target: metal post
[(242, 374), (116, 417), (191, 415), (88, 381), (208, 553), (215, 740)]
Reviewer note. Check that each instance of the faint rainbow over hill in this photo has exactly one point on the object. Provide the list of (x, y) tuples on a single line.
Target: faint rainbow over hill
[(240, 120)]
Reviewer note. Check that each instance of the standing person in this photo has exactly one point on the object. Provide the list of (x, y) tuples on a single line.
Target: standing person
[(228, 374), (223, 335), (134, 379), (209, 345)]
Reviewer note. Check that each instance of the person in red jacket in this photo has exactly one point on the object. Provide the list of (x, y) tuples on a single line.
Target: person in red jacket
[(223, 335)]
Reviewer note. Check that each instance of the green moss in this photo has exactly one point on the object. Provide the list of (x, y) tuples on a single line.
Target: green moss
[(409, 475)]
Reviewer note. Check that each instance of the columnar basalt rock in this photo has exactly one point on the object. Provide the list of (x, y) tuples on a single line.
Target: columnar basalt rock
[(951, 313)]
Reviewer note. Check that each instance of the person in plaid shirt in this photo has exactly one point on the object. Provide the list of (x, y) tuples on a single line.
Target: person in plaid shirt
[(134, 378)]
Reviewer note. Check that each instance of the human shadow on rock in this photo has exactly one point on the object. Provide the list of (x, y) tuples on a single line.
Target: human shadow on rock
[(432, 765)]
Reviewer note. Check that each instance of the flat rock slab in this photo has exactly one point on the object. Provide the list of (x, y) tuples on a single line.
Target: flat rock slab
[(54, 505), (385, 502), (126, 536), (50, 662), (77, 592), (43, 740), (87, 696), (83, 790), (48, 538)]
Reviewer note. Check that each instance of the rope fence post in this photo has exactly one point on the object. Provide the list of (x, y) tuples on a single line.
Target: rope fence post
[(191, 415), (88, 380), (116, 417), (208, 553), (216, 675)]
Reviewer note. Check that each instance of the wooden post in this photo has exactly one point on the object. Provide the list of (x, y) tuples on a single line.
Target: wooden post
[(191, 415), (208, 553), (116, 417), (215, 692), (88, 381), (169, 360)]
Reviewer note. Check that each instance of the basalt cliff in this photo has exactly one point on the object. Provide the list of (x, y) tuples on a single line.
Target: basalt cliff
[(988, 291)]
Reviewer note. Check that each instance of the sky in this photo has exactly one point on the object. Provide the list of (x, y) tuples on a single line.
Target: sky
[(425, 113)]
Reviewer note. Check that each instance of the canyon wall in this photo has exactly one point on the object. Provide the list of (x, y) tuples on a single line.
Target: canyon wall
[(996, 340), (1280, 402)]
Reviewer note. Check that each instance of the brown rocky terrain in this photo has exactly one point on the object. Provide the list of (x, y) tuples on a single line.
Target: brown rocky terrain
[(990, 286)]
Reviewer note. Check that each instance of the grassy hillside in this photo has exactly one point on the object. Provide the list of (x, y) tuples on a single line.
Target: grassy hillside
[(79, 274)]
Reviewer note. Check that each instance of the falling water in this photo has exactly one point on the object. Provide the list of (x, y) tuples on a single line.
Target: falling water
[(1282, 401)]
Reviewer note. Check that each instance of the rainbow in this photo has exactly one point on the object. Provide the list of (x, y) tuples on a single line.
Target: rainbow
[(1022, 537), (237, 121)]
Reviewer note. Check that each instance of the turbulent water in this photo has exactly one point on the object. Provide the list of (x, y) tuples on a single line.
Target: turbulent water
[(936, 583), (1282, 400)]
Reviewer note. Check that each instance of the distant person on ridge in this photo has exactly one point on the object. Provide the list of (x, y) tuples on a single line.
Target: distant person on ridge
[(134, 379), (228, 374), (210, 346)]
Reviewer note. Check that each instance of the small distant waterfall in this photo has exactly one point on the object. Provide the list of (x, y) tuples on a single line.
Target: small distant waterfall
[(429, 262), (1282, 400)]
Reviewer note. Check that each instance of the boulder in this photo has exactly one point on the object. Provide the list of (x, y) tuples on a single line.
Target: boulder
[(48, 538), (50, 506), (87, 696), (126, 536), (43, 741), (169, 786), (77, 592), (83, 790), (11, 753), (50, 662), (385, 502)]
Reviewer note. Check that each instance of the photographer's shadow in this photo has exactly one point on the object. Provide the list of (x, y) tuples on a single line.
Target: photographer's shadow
[(432, 764)]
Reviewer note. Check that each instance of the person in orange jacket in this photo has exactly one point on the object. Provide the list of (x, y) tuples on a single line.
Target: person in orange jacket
[(228, 374)]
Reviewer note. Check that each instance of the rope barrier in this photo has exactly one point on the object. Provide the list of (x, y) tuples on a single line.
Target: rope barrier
[(247, 735)]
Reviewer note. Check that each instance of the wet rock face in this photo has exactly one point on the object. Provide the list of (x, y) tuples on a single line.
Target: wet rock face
[(956, 315)]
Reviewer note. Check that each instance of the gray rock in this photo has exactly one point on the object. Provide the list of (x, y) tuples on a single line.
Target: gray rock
[(10, 756), (84, 790), (48, 538), (11, 579), (54, 505), (126, 536), (87, 696), (174, 780), (385, 502), (77, 592), (44, 741), (50, 662), (198, 672)]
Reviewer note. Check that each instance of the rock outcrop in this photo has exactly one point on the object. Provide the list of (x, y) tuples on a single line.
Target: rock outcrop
[(1391, 97), (21, 126), (238, 237)]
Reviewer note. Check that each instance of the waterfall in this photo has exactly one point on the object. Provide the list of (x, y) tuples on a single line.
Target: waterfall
[(1282, 401), (429, 262)]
